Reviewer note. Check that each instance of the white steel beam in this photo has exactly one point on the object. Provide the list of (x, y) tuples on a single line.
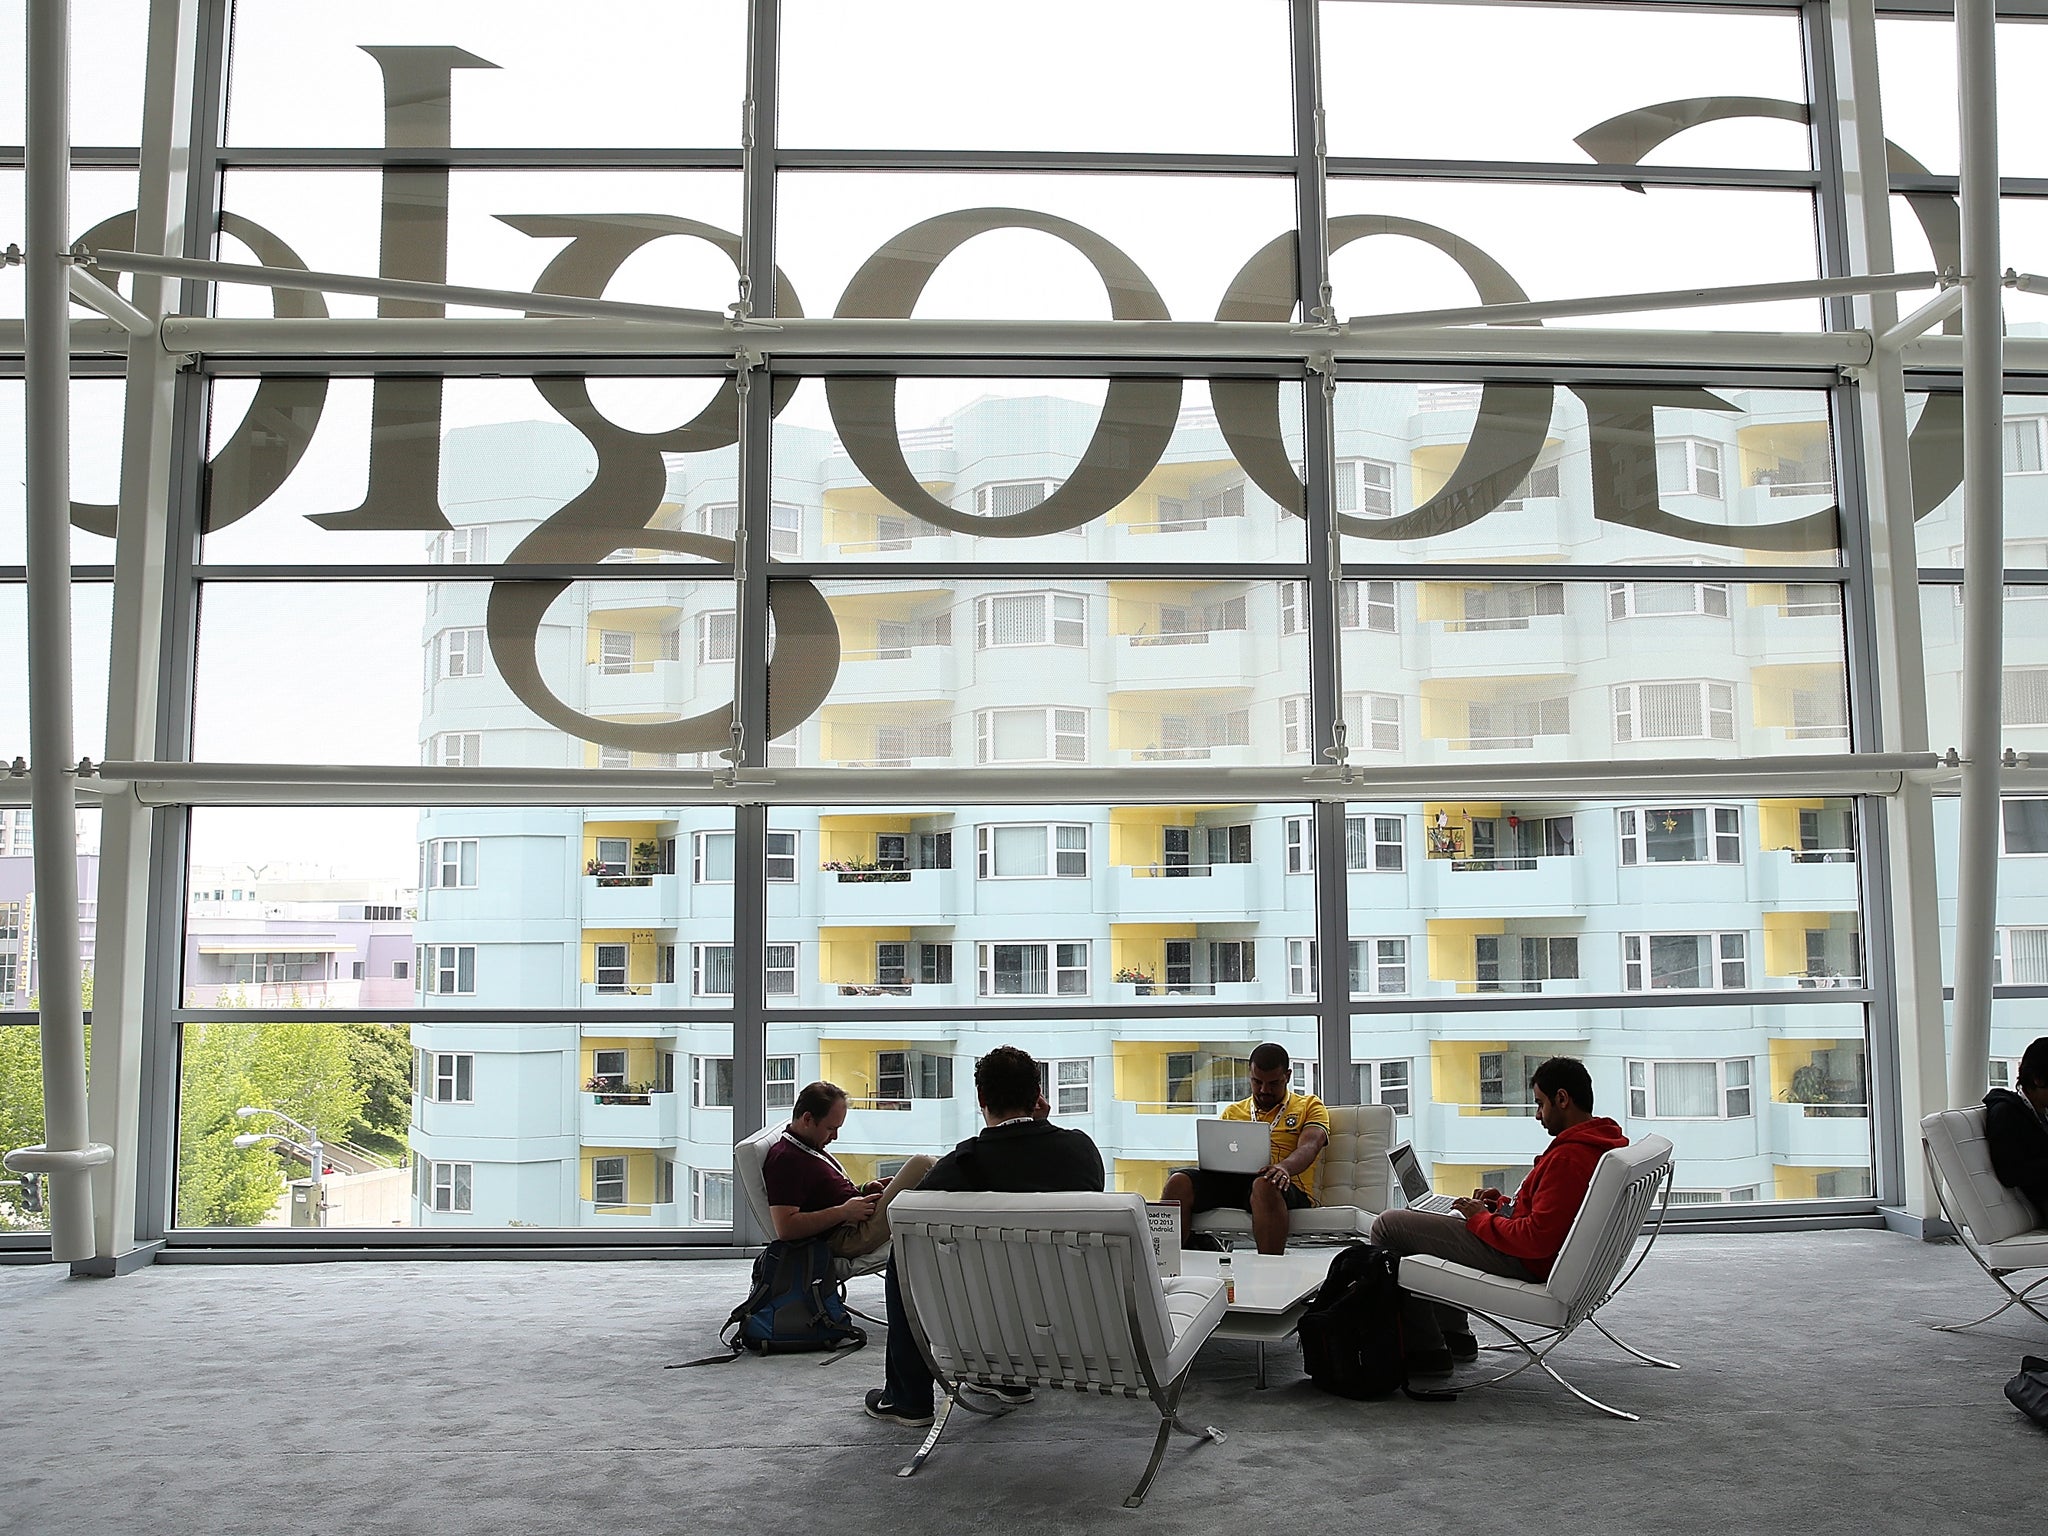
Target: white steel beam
[(1898, 655), (1640, 303), (47, 454), (1983, 551), (94, 294), (141, 542), (307, 784), (1921, 321)]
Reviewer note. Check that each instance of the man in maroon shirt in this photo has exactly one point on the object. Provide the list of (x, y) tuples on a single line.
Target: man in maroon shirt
[(809, 1194), (1518, 1238)]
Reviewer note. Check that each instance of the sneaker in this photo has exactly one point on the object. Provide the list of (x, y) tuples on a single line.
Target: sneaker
[(879, 1407), (1463, 1346), (1433, 1361), (1012, 1395)]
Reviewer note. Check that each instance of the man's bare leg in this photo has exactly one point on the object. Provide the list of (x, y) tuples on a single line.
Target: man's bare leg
[(1180, 1191), (1269, 1217)]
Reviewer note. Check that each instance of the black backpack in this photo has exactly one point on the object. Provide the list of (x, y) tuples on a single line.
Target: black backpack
[(1353, 1335), (795, 1304)]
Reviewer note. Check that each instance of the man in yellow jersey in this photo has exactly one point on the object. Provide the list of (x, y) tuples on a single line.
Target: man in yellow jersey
[(1301, 1129)]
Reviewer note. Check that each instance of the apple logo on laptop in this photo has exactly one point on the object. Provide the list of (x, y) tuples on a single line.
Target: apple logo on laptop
[(1233, 1146)]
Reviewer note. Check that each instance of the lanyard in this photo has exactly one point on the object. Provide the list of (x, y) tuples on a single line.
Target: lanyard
[(823, 1157)]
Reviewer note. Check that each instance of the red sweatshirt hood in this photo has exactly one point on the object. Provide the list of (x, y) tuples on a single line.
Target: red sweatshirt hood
[(1599, 1133)]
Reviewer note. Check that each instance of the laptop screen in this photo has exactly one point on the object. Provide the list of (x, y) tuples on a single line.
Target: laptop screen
[(1413, 1180)]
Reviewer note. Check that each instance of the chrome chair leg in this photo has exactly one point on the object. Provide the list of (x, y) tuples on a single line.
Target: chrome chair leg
[(1669, 1365), (930, 1440)]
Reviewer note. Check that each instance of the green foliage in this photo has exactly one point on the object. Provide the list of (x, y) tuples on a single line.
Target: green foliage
[(381, 1057), (302, 1070), (21, 1107)]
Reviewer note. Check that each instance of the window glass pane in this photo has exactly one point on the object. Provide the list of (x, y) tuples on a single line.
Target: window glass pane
[(1529, 81), (961, 444), (561, 85), (1707, 237), (1916, 64), (1804, 1133), (930, 72)]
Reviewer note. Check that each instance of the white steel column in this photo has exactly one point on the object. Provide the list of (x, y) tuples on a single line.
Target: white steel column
[(1983, 549), (1880, 403), (48, 453), (132, 698)]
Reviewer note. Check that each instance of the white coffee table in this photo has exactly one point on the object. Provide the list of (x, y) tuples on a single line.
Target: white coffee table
[(1273, 1290)]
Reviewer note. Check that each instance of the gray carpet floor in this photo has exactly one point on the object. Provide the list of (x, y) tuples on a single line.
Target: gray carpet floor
[(501, 1399)]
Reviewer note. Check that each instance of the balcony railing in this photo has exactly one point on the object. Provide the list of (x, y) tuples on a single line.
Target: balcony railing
[(1822, 855), (1834, 1111), (1825, 979), (1493, 743), (1167, 871), (873, 989), (1463, 866), (624, 989), (1803, 488)]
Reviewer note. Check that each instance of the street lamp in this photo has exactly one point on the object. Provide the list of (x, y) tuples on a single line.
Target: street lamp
[(313, 1146)]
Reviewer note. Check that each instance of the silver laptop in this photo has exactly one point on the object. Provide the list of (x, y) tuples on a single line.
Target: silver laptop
[(1415, 1183), (1233, 1146)]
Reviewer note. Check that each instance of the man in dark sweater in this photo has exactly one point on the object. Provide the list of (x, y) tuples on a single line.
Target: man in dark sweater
[(1019, 1151), (2015, 1133)]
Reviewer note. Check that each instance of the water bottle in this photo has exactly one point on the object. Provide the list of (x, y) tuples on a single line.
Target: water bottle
[(1229, 1281)]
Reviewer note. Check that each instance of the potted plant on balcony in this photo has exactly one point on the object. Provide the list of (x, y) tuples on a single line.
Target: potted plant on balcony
[(616, 1090), (647, 858), (1825, 1098), (1137, 977), (863, 872)]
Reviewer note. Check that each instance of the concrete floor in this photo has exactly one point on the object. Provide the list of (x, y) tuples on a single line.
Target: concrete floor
[(443, 1399)]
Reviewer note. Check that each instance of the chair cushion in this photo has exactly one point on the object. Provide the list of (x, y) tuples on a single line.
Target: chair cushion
[(1316, 1221), (1194, 1306), (747, 1158), (1353, 1170), (2027, 1251), (1955, 1140), (1594, 1249), (1522, 1300)]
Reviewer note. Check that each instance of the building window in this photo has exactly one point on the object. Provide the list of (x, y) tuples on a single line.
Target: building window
[(717, 637), (1368, 605), (2021, 959), (454, 1077), (1033, 970), (1068, 1084), (892, 963), (1655, 599), (935, 965), (2023, 445), (1233, 960), (614, 757), (614, 651), (1031, 736), (721, 519), (1301, 967), (1301, 844), (610, 969), (460, 546), (1030, 618), (780, 1085), (452, 1185), (2023, 696), (1372, 723), (462, 653), (1202, 1077), (1374, 843), (1681, 834), (401, 970), (901, 1076), (1683, 961), (1500, 726), (1687, 711), (711, 971), (1366, 487), (1690, 1090), (1378, 966), (451, 863), (2025, 827), (710, 1197), (455, 749), (711, 1082), (1007, 498), (608, 1180), (1511, 604), (1541, 485), (1688, 466), (450, 969), (1031, 852), (711, 858), (1384, 1082)]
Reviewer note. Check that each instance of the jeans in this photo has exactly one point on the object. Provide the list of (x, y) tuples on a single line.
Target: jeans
[(908, 1379)]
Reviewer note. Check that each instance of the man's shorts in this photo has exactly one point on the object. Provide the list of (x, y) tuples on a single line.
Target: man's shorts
[(1233, 1191)]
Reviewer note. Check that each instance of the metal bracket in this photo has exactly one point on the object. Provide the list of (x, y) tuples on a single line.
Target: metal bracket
[(12, 257)]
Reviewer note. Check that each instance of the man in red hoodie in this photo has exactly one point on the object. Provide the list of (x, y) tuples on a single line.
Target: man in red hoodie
[(1519, 1238)]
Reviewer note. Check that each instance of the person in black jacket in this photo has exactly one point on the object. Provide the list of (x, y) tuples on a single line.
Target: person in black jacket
[(1019, 1151), (2015, 1132)]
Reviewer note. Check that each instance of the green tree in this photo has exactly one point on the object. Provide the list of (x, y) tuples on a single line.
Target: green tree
[(21, 1106), (303, 1070), (381, 1055)]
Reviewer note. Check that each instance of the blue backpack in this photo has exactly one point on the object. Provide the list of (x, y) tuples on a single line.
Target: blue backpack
[(795, 1304)]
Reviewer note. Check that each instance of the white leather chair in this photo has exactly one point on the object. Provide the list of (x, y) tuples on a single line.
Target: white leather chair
[(1354, 1181), (1624, 1194), (747, 1159), (1047, 1291), (1999, 1227)]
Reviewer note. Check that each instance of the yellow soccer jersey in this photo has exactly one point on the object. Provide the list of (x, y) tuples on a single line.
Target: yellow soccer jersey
[(1295, 1112)]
